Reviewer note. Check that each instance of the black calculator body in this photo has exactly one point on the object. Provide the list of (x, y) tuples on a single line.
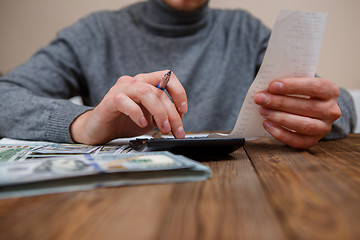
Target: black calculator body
[(189, 146)]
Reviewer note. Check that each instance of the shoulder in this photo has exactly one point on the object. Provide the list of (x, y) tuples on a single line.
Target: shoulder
[(100, 22)]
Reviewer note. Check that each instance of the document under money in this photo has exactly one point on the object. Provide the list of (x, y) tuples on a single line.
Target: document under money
[(293, 51)]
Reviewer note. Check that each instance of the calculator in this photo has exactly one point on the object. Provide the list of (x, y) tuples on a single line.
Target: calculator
[(189, 146)]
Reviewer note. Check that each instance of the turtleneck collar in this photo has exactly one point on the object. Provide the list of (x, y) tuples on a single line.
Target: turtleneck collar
[(162, 20)]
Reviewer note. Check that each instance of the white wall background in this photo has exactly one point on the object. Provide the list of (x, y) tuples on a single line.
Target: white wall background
[(26, 25)]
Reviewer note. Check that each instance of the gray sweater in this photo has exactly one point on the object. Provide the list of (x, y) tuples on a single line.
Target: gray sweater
[(214, 53)]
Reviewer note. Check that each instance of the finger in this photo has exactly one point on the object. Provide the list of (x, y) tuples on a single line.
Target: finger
[(174, 88), (299, 124), (178, 94), (141, 91), (147, 95), (313, 87), (127, 106), (127, 80), (174, 117), (292, 139), (313, 108)]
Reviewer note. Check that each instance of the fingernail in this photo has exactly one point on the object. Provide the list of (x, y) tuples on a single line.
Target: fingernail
[(276, 87), (183, 107), (265, 112), (166, 126), (261, 98), (143, 122), (180, 133)]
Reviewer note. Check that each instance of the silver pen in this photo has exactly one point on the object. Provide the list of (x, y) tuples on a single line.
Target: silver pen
[(164, 81)]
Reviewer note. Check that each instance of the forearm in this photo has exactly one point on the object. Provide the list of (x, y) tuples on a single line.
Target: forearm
[(24, 115)]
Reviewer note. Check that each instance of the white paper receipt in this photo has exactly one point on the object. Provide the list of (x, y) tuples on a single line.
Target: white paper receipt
[(293, 51)]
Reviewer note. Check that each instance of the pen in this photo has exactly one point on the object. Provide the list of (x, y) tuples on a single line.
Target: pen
[(164, 81)]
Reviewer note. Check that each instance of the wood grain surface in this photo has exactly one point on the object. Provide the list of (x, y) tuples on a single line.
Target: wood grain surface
[(263, 191), (315, 193)]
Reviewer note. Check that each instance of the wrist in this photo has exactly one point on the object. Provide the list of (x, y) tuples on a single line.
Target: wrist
[(77, 128)]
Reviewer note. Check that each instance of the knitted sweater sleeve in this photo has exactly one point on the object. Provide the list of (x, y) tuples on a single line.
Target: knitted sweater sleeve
[(34, 96)]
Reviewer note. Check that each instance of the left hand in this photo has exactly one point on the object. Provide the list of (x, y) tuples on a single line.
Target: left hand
[(299, 122)]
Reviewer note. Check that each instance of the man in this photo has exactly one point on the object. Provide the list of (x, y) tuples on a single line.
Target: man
[(214, 53)]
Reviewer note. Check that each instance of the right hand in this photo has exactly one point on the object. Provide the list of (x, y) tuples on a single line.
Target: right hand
[(132, 107)]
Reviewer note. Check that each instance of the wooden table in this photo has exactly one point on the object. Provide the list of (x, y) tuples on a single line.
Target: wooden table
[(262, 191)]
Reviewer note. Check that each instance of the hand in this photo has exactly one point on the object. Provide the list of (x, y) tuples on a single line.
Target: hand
[(132, 107), (299, 121)]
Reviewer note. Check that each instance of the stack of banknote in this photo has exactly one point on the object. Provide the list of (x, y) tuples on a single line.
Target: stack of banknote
[(35, 169)]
